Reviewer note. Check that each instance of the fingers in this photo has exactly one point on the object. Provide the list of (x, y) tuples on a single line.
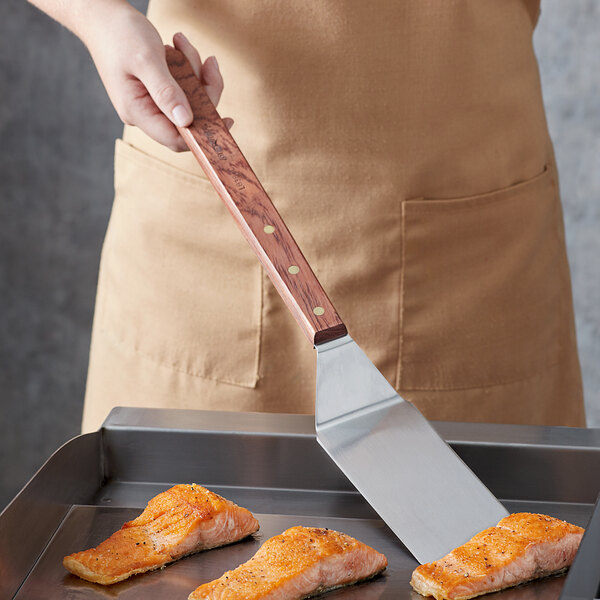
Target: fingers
[(160, 129), (183, 45), (208, 72), (145, 114), (212, 79), (130, 58), (152, 100), (166, 93)]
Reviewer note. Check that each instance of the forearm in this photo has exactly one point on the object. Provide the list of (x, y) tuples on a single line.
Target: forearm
[(82, 17), (130, 57)]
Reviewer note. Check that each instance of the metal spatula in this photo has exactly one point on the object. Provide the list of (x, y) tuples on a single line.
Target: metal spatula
[(386, 448)]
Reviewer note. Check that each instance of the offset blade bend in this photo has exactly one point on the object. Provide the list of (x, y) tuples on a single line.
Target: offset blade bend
[(419, 486)]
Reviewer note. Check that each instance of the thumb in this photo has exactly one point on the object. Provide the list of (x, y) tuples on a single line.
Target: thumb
[(167, 94)]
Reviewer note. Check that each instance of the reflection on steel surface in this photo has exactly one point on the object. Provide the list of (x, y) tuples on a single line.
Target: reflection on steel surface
[(273, 465), (389, 451)]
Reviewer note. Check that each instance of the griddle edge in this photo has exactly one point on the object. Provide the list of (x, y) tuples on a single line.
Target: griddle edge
[(270, 462)]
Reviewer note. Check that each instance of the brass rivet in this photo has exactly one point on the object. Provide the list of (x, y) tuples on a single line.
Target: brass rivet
[(318, 310), (269, 229), (294, 269)]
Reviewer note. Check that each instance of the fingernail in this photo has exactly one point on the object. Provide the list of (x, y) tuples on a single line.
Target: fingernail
[(181, 115), (214, 58)]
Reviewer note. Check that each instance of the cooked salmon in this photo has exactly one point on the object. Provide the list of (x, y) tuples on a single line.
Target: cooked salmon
[(300, 562), (183, 520), (522, 547)]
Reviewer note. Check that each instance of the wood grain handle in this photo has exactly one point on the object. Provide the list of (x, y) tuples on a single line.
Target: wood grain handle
[(262, 226)]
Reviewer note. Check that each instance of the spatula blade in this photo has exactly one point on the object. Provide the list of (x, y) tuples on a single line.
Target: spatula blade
[(419, 486)]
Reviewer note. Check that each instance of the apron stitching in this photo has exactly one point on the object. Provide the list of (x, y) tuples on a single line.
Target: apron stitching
[(567, 334), (259, 340), (486, 385), (131, 347), (401, 302), (567, 337), (475, 201), (563, 332), (101, 295), (134, 154)]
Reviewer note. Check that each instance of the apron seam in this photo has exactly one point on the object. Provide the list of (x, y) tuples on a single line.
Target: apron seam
[(399, 369), (116, 339), (485, 385), (568, 328), (106, 249), (259, 337), (143, 159), (475, 201)]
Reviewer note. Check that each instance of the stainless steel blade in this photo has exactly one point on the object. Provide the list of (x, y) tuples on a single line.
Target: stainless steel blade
[(419, 486)]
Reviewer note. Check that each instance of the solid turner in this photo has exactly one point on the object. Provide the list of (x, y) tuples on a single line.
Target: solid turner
[(386, 448)]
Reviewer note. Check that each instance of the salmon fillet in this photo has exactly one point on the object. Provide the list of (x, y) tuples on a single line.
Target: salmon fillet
[(183, 520), (299, 563), (522, 547)]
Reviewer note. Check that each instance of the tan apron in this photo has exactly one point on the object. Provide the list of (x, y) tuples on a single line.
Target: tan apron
[(405, 144)]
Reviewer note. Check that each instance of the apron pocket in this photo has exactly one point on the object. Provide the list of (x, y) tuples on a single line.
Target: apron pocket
[(179, 285), (481, 288)]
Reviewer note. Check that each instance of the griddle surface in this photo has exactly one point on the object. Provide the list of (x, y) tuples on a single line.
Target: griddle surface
[(86, 526), (272, 465)]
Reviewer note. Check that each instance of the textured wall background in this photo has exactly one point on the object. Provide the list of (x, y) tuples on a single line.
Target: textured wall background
[(57, 129)]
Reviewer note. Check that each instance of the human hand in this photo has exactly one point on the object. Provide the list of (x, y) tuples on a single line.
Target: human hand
[(130, 57)]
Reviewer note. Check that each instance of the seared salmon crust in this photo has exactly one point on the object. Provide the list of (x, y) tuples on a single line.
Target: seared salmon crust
[(299, 563), (180, 521), (522, 547)]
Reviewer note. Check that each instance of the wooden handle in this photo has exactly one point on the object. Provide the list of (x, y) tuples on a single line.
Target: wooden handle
[(253, 211)]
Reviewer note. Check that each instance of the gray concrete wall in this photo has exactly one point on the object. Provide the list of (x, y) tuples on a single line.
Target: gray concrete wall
[(57, 130)]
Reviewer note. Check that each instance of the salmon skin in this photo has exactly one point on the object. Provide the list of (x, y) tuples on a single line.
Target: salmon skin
[(180, 521), (522, 547), (299, 563)]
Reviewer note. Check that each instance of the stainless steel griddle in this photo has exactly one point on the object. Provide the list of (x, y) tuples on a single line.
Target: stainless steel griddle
[(272, 465)]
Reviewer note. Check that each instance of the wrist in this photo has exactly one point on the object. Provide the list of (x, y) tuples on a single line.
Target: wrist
[(91, 19)]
